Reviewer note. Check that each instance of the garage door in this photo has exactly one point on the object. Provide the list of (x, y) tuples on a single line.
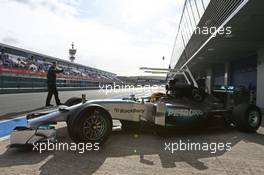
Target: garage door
[(244, 72)]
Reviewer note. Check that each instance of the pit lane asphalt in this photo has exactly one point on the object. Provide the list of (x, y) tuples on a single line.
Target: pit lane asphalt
[(137, 152)]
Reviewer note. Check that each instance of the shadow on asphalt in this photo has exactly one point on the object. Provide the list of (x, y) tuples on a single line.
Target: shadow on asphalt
[(128, 143)]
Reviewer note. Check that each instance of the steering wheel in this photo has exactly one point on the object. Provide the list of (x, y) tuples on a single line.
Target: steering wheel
[(197, 95)]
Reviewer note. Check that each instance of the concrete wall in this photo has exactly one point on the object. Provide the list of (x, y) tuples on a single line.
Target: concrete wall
[(209, 80), (260, 78)]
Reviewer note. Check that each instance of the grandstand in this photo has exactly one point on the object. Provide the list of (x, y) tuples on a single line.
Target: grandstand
[(25, 71)]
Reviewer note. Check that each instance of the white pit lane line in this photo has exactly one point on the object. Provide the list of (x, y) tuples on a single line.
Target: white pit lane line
[(4, 138)]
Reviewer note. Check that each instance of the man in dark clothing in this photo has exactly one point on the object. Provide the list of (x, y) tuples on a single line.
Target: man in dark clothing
[(51, 82)]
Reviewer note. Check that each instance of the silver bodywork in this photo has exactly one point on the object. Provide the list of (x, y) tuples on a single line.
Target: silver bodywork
[(118, 109), (32, 136)]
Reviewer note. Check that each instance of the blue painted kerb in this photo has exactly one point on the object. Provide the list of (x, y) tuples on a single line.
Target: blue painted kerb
[(7, 126)]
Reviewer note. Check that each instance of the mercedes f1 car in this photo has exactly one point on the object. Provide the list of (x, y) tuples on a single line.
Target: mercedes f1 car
[(184, 104)]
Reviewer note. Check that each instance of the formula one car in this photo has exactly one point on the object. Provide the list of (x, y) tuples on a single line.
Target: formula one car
[(186, 103)]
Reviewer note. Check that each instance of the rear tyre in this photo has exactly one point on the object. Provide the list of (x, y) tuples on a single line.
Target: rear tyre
[(90, 126), (73, 101), (247, 117)]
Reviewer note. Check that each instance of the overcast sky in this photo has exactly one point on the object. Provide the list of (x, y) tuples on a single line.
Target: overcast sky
[(115, 35)]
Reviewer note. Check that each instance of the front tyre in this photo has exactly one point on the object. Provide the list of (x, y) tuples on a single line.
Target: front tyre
[(90, 126), (73, 101), (247, 117), (198, 95)]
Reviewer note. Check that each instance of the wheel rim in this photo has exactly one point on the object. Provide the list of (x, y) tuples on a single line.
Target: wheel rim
[(253, 118), (196, 95), (94, 127)]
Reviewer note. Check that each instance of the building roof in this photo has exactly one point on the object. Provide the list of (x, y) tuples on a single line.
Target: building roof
[(246, 21)]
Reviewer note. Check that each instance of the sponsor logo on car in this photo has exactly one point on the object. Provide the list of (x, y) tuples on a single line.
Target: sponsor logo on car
[(117, 110), (184, 112)]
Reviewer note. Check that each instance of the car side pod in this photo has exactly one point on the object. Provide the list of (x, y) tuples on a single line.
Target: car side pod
[(160, 114), (23, 136)]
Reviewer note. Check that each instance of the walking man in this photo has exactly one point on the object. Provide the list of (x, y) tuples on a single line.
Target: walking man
[(51, 82)]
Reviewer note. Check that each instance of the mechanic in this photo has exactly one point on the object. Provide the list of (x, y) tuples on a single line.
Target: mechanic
[(51, 82)]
